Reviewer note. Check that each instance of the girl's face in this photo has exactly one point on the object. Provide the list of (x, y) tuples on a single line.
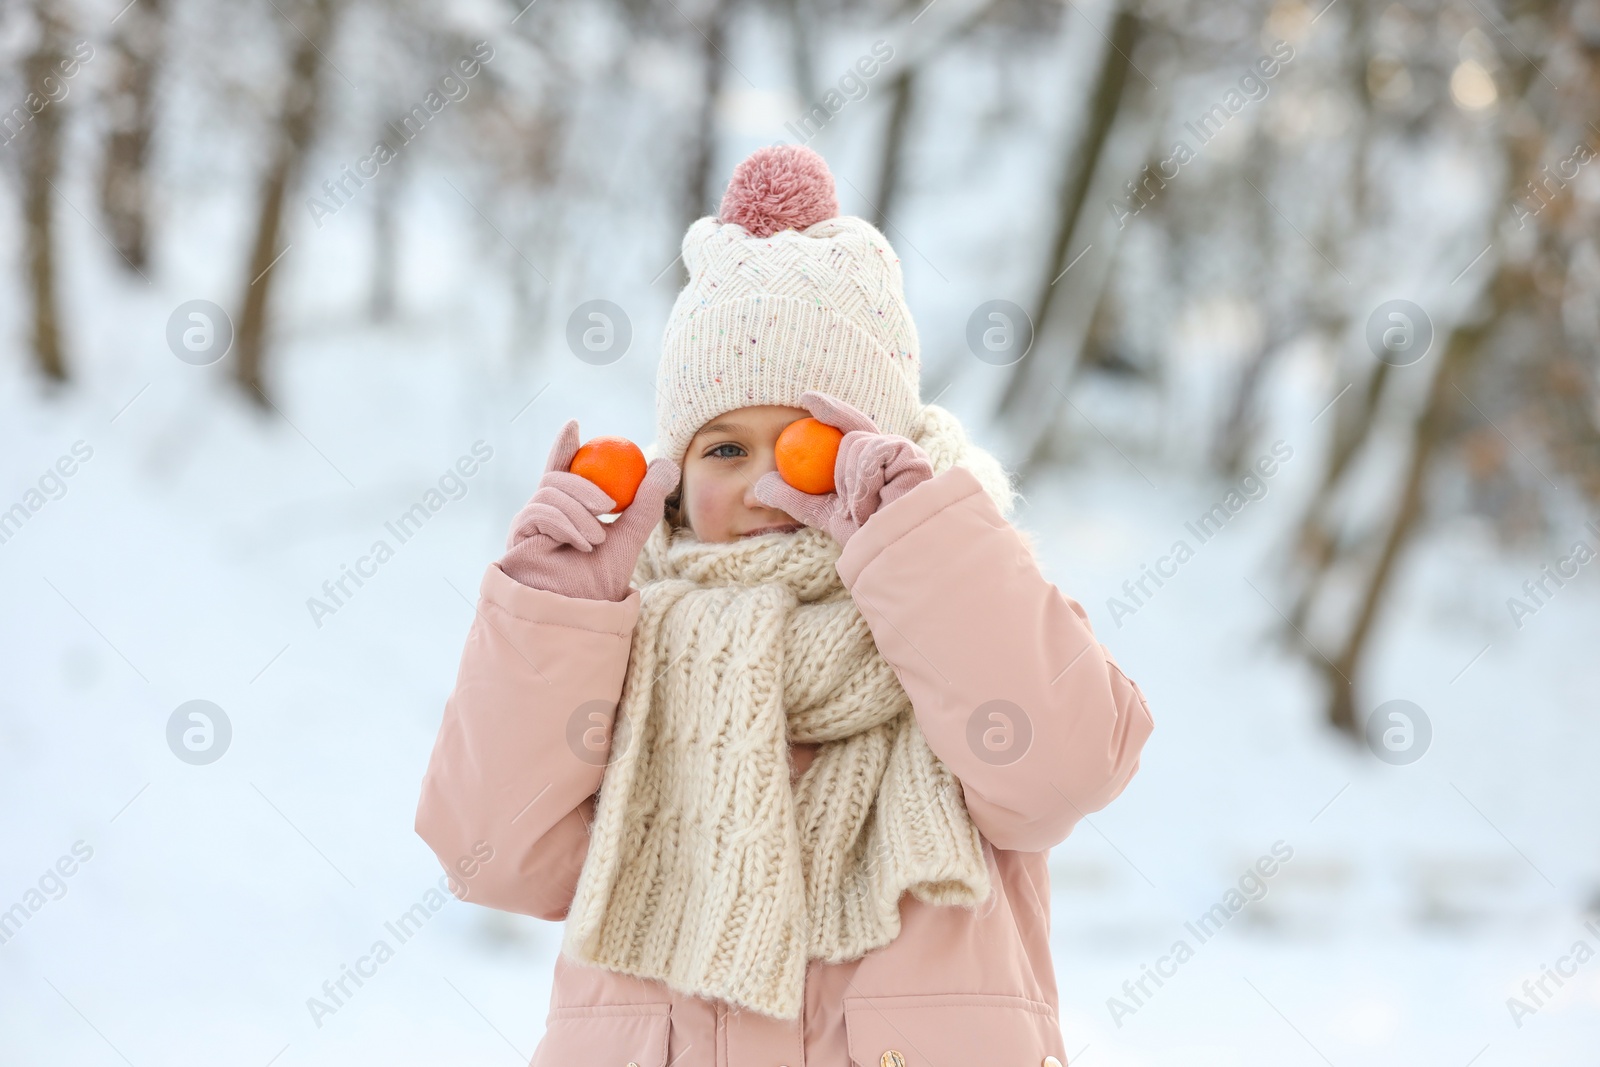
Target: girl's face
[(727, 457)]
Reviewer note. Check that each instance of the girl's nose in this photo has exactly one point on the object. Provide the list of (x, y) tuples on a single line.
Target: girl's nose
[(757, 471)]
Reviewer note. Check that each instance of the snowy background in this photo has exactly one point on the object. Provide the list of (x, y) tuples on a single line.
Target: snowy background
[(177, 562)]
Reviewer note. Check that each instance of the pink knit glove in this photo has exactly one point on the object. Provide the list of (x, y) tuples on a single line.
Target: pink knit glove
[(873, 471), (557, 543)]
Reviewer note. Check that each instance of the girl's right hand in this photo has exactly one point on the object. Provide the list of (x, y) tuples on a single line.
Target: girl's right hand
[(557, 541)]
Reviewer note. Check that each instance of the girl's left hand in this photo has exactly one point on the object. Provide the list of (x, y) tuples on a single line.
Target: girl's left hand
[(873, 470)]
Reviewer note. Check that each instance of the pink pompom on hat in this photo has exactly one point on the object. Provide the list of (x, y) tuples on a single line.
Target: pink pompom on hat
[(785, 294), (784, 187)]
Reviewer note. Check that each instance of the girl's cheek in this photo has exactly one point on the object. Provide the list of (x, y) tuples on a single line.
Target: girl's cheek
[(705, 505), (717, 500)]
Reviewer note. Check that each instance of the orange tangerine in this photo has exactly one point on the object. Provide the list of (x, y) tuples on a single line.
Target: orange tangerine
[(807, 451), (615, 464)]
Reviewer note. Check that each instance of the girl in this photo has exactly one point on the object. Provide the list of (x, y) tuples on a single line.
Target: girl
[(788, 766)]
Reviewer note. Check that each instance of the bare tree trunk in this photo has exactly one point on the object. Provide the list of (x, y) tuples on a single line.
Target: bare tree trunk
[(1077, 177), (297, 119), (40, 143), (1244, 418), (1239, 426), (123, 183), (384, 251), (699, 198), (1427, 432), (800, 49), (901, 91), (1033, 378), (1317, 539), (385, 240)]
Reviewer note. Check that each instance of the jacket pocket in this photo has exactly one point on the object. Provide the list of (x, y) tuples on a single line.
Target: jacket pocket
[(617, 1035), (952, 1030)]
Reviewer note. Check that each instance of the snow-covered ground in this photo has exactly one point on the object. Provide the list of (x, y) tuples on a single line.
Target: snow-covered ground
[(218, 898), (207, 904)]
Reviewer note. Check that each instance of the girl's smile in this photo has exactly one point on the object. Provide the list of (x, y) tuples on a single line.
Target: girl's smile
[(791, 527)]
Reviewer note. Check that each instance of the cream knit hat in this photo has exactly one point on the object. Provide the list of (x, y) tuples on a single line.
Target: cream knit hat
[(785, 295)]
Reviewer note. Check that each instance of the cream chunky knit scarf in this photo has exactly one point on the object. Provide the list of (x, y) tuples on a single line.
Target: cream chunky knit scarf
[(705, 869)]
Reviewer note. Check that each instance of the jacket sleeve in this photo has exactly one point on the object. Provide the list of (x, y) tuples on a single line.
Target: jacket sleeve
[(523, 745), (1009, 685)]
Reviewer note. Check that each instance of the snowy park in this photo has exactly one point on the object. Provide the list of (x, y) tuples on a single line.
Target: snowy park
[(1324, 483)]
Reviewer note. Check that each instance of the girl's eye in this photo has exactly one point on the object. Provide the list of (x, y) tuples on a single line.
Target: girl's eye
[(717, 450)]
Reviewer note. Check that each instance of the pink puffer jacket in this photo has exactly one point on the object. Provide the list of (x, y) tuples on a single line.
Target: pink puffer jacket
[(1010, 687)]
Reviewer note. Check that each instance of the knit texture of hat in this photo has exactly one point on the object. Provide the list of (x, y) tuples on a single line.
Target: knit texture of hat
[(785, 295)]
